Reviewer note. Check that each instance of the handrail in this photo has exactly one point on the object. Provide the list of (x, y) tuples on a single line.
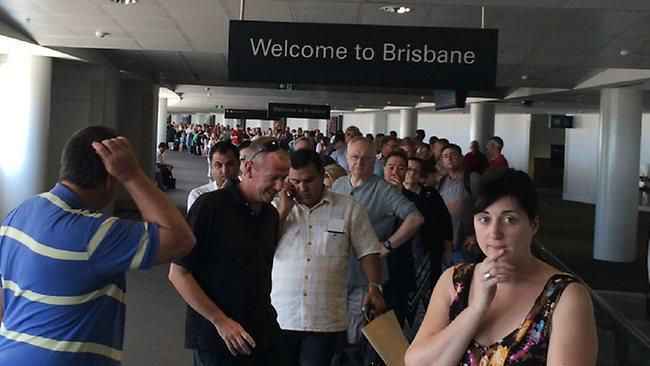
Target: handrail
[(624, 331)]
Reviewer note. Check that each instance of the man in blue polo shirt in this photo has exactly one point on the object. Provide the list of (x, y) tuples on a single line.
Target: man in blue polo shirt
[(63, 264)]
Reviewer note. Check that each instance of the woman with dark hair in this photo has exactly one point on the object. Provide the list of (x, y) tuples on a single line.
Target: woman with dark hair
[(475, 307)]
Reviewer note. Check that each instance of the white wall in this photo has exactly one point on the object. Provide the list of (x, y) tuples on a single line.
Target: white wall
[(361, 120), (82, 95), (543, 136), (645, 139), (453, 127), (581, 156), (393, 122), (254, 123), (514, 129), (581, 159)]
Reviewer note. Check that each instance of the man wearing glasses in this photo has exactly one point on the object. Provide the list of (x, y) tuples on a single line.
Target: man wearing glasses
[(384, 205), (226, 279)]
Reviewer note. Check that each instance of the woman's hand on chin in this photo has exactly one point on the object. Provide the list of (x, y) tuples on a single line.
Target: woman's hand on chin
[(487, 274)]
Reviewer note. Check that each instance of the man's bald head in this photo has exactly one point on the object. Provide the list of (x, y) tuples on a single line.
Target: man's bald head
[(361, 140)]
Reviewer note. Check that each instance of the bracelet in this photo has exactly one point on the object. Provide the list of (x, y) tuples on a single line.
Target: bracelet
[(375, 285), (386, 243)]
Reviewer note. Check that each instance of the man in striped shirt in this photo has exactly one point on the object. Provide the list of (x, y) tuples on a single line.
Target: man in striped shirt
[(63, 264)]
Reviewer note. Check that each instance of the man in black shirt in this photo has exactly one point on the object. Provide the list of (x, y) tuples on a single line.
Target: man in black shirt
[(226, 279)]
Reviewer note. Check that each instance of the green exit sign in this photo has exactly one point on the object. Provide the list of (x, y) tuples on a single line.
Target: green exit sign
[(218, 106), (285, 86)]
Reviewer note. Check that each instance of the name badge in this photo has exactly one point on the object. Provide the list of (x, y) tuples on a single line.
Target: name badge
[(336, 226)]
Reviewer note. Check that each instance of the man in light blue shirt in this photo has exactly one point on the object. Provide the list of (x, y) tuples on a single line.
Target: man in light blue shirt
[(384, 205)]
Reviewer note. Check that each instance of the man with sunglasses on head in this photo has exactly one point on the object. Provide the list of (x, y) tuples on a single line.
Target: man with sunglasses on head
[(226, 279)]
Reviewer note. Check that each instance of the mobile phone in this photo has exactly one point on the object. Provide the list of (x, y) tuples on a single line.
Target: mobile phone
[(290, 189)]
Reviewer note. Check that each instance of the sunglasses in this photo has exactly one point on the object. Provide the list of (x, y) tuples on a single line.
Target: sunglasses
[(269, 146)]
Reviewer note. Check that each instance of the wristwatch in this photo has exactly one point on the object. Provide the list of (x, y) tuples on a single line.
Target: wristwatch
[(375, 285), (386, 243)]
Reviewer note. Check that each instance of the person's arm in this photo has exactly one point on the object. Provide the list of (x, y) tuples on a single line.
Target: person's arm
[(2, 302), (286, 201), (403, 208), (439, 342), (573, 338), (176, 238), (374, 298), (233, 334), (409, 227)]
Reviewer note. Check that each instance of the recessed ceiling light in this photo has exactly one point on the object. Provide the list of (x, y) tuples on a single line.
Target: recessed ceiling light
[(395, 9), (125, 2)]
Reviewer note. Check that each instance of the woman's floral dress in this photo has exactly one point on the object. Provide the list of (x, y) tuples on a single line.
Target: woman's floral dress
[(524, 346)]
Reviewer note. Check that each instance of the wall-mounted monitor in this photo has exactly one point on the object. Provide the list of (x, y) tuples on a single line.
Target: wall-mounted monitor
[(560, 121), (449, 99)]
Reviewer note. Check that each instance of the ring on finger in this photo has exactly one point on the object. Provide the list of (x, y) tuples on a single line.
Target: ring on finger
[(488, 276)]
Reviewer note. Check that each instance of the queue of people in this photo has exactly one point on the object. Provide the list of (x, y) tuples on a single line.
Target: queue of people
[(296, 237)]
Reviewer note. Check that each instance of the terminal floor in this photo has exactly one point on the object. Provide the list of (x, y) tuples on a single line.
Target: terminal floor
[(156, 314)]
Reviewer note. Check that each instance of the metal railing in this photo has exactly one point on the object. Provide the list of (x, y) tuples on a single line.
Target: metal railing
[(631, 346)]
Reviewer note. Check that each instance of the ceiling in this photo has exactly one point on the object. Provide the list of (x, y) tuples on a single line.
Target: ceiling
[(555, 43)]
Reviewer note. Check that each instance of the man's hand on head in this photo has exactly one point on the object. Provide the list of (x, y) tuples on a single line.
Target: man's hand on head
[(118, 158)]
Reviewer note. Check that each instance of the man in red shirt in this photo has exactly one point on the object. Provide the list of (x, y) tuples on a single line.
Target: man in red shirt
[(475, 160), (494, 147), (236, 135)]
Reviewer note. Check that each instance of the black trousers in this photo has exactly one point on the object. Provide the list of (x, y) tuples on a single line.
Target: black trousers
[(273, 355), (312, 348)]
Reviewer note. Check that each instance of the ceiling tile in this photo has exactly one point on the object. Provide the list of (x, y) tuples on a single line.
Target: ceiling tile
[(164, 45), (81, 9)]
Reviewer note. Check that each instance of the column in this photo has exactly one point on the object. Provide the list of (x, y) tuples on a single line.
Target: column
[(482, 123), (25, 118), (161, 134), (408, 122), (378, 123), (617, 182)]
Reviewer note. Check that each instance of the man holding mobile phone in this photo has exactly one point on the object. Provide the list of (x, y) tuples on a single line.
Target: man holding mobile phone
[(310, 266)]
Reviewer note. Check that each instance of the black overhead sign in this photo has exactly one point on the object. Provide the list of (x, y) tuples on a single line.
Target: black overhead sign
[(364, 55), (246, 114), (279, 110)]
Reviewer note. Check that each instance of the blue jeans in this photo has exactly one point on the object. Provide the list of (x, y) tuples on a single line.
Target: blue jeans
[(312, 348)]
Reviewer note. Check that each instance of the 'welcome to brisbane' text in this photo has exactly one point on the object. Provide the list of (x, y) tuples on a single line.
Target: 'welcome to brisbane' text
[(389, 52)]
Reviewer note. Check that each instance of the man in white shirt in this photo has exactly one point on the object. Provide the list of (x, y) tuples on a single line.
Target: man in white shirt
[(310, 267), (224, 166)]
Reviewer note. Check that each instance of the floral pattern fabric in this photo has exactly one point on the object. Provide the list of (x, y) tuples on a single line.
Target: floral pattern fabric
[(525, 346)]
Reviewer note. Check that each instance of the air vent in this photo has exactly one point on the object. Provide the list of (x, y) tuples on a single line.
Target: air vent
[(125, 2), (395, 9)]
